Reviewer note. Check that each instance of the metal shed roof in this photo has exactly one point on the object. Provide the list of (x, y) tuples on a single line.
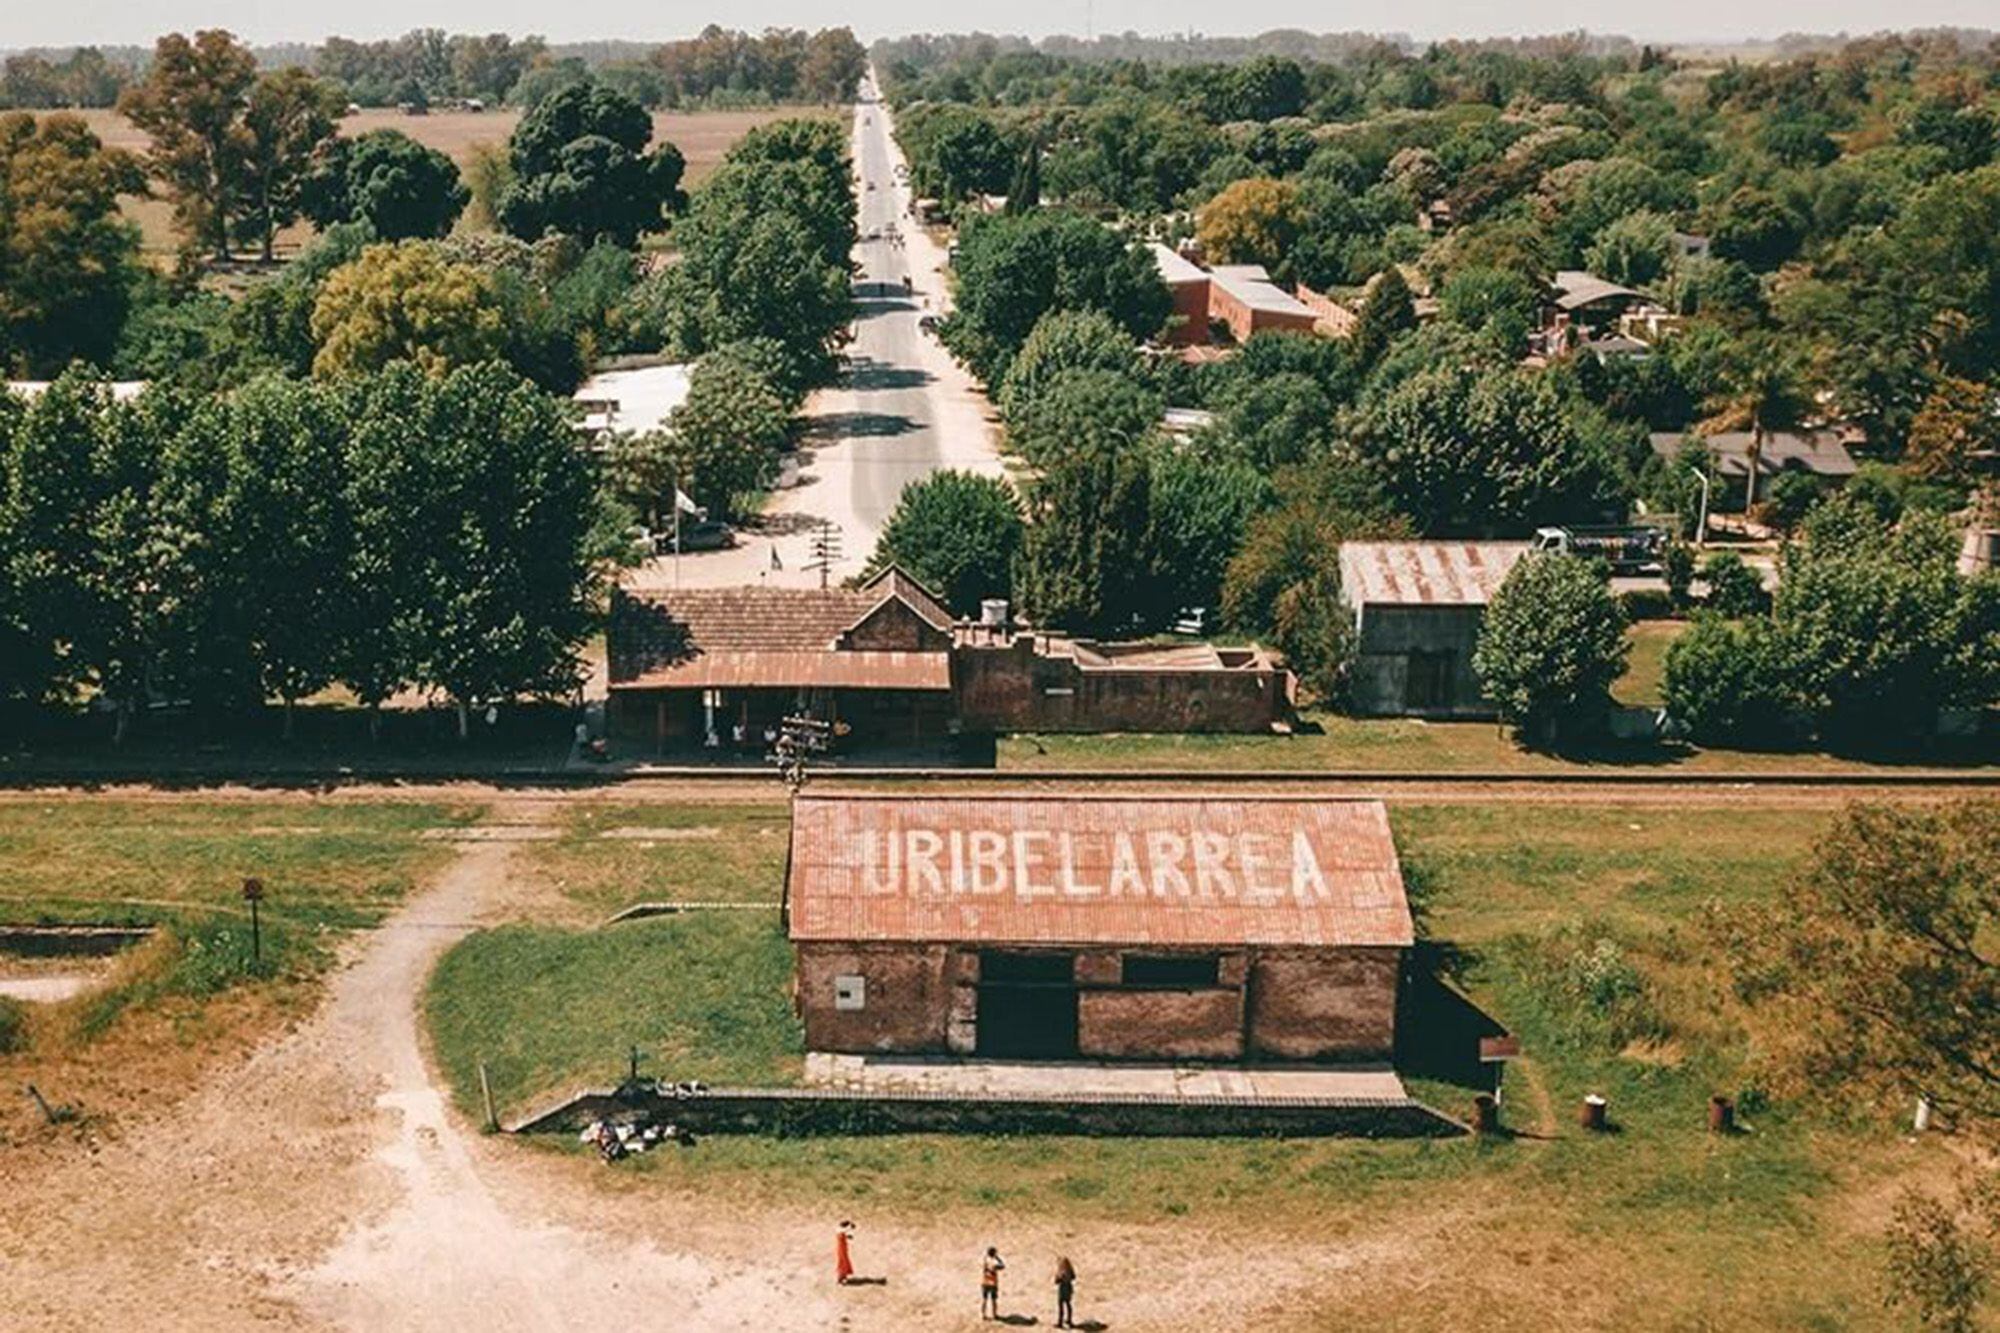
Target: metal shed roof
[(1071, 869), (1251, 285), (1425, 573)]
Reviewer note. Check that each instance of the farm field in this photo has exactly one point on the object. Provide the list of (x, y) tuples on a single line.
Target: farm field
[(1766, 1227), (702, 136)]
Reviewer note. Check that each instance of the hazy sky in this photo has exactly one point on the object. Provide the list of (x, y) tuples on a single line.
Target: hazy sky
[(43, 23)]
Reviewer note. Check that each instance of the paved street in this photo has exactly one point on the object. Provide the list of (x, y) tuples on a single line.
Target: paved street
[(903, 411)]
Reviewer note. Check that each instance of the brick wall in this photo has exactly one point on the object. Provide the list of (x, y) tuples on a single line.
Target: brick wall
[(894, 627), (1330, 1004), (1202, 1024), (1012, 688), (1190, 325), (907, 1003)]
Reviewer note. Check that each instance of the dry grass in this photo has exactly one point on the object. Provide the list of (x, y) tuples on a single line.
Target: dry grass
[(702, 136)]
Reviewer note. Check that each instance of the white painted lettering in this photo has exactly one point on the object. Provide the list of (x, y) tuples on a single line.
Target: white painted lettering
[(1165, 850), (1307, 882), (988, 853), (1071, 885), (880, 868), (1125, 875), (956, 844), (1211, 871), (1253, 854), (1026, 862), (921, 857)]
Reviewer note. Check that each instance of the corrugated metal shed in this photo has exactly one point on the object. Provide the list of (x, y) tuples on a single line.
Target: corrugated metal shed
[(1071, 869), (1425, 573)]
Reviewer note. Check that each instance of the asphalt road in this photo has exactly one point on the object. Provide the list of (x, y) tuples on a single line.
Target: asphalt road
[(902, 411)]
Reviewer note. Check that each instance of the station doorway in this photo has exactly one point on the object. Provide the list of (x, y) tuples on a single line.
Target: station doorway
[(1027, 1005)]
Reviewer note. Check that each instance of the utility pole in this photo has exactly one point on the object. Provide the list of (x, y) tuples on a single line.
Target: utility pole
[(825, 550)]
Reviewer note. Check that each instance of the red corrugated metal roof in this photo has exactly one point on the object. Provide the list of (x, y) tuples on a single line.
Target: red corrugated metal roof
[(828, 669), (1425, 573), (1070, 869)]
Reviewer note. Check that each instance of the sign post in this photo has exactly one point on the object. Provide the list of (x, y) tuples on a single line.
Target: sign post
[(253, 893)]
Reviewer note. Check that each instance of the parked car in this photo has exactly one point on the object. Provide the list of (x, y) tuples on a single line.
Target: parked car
[(927, 323), (706, 534)]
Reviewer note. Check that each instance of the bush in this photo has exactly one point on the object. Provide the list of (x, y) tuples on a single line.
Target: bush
[(1551, 644), (1647, 604), (1792, 496), (1679, 570), (1734, 589), (13, 1026), (1726, 684)]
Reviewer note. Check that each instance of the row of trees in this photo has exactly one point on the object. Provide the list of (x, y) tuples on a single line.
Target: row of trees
[(389, 532)]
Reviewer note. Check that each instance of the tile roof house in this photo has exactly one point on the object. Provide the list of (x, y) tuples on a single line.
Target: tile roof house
[(1417, 609)]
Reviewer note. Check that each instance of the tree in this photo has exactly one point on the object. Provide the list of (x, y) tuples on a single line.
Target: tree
[(191, 106), (404, 301), (289, 113), (1635, 250), (1080, 410), (68, 260), (1464, 450), (398, 187), (1550, 645), (1499, 303), (1200, 509), (289, 532), (581, 167), (1956, 422), (1734, 589), (512, 581), (1274, 420), (1940, 1265), (729, 430), (1387, 309), (1064, 341), (1013, 270), (390, 484), (1254, 221), (1874, 972), (1764, 392), (958, 533), (1725, 682), (1084, 566)]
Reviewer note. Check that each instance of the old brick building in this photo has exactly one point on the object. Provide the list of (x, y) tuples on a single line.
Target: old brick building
[(1062, 925), (701, 667)]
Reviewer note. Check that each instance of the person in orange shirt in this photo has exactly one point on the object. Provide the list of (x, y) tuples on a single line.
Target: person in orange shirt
[(843, 1258)]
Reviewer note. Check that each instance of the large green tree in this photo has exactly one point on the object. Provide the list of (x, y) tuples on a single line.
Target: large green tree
[(405, 302), (399, 187), (958, 533), (728, 433), (582, 167), (287, 115), (1551, 643)]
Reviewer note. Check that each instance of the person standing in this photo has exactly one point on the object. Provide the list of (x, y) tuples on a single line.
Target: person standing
[(1065, 1293), (843, 1256), (989, 1284)]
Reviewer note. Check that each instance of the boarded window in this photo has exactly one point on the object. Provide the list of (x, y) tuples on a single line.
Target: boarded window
[(1180, 970)]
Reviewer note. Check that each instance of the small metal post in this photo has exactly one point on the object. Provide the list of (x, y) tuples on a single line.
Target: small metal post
[(253, 893), (43, 1102)]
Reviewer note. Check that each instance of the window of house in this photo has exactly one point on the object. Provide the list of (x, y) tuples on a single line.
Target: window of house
[(1428, 682), (1180, 970)]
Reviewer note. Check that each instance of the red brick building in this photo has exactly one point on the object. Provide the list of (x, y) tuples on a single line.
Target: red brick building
[(1059, 925)]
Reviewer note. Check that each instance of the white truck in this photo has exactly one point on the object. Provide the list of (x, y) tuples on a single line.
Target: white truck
[(1627, 548)]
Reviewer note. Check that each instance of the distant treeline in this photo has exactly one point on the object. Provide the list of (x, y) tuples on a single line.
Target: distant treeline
[(428, 65)]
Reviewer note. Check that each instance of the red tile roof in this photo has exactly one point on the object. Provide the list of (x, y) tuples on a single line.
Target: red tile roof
[(1071, 869), (820, 668)]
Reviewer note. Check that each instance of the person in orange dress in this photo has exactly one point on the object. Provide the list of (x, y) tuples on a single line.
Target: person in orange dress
[(843, 1258)]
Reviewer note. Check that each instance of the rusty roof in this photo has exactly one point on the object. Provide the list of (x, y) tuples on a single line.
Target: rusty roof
[(1425, 573), (1076, 869), (825, 668)]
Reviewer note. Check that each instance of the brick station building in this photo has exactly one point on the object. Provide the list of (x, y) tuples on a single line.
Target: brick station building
[(1064, 926)]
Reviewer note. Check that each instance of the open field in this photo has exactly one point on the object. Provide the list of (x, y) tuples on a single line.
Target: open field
[(161, 1013), (702, 136), (1660, 1225)]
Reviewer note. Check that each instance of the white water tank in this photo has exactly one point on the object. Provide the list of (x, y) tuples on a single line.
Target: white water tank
[(993, 613)]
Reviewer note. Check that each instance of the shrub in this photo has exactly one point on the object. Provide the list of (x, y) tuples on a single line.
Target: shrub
[(1734, 589), (1679, 570), (1726, 684), (13, 1026)]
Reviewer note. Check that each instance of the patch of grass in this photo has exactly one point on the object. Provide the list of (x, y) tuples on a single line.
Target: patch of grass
[(1331, 742), (1646, 667), (327, 869), (706, 995), (610, 857)]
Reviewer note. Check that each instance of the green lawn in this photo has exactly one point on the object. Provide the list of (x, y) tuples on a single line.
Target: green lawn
[(610, 857), (1646, 668)]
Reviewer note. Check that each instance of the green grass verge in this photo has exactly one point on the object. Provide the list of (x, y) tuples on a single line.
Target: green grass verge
[(706, 995), (1646, 668), (610, 857)]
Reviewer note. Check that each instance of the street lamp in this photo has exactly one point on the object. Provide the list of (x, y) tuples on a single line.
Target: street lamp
[(1701, 525)]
